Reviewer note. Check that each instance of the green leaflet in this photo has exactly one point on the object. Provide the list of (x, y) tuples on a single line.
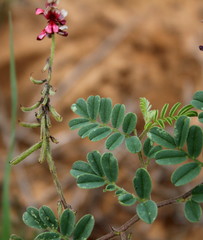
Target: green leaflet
[(154, 150), (194, 141), (110, 188), (148, 144), (67, 222), (99, 133), (192, 211), (105, 110), (48, 217), (80, 168), (110, 166), (160, 136), (129, 123), (197, 194), (200, 117), (127, 199), (168, 157), (86, 130), (84, 227), (142, 183), (185, 173), (133, 144), (94, 159), (147, 211), (32, 219), (80, 108), (117, 115), (88, 181), (114, 141), (78, 123), (197, 101), (93, 105), (48, 236), (181, 130)]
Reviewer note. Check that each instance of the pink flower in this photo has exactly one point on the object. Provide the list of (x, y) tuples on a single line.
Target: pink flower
[(56, 20)]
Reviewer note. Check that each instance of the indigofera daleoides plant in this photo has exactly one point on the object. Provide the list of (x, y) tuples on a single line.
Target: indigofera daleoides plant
[(100, 119)]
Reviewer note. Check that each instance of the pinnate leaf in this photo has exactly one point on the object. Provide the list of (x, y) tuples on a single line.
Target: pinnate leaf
[(181, 130), (78, 123), (86, 130), (168, 157), (129, 123), (93, 105), (99, 133), (80, 168), (94, 159), (194, 141), (48, 217), (80, 108), (89, 181), (117, 115), (105, 110), (32, 219)]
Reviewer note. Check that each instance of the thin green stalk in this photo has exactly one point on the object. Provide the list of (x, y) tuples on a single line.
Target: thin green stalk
[(51, 59), (6, 221)]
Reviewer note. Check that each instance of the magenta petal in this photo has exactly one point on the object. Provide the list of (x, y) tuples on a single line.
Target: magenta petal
[(41, 35), (55, 28), (39, 11), (48, 28)]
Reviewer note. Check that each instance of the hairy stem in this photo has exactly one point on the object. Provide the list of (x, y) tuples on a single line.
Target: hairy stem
[(135, 218), (51, 59)]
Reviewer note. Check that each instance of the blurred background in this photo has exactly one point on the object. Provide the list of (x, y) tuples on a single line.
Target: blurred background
[(122, 49)]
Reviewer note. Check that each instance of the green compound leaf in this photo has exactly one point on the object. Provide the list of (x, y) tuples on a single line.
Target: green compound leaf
[(181, 130), (114, 141), (67, 222), (110, 166), (105, 110), (88, 181), (142, 183), (78, 123), (48, 217), (147, 211), (99, 133), (117, 115), (192, 211), (168, 157), (133, 144), (129, 123), (94, 159), (194, 141), (84, 227), (200, 117), (15, 237), (32, 219), (185, 173), (93, 105), (127, 199), (197, 194), (161, 137), (80, 168), (48, 236), (197, 101), (80, 108), (86, 130)]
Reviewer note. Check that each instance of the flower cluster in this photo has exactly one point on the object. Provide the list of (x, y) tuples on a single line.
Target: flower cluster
[(56, 20)]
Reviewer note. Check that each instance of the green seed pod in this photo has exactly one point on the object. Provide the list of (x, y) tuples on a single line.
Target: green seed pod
[(37, 81), (26, 153), (45, 100), (29, 125), (43, 127), (43, 152), (27, 109), (48, 121), (56, 115)]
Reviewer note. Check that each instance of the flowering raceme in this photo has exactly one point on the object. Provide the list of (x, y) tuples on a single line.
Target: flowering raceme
[(56, 20)]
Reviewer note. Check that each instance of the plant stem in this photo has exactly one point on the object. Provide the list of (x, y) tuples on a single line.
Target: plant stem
[(135, 218), (51, 59), (57, 183)]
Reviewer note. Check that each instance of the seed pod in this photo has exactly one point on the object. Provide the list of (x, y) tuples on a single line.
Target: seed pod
[(43, 127), (45, 100), (27, 109), (37, 81), (29, 125), (56, 115), (43, 152), (26, 153), (48, 121)]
